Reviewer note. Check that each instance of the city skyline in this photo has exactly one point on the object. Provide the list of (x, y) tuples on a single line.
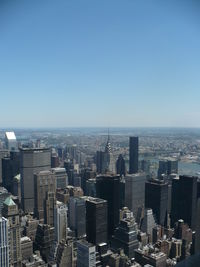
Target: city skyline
[(66, 200), (99, 64)]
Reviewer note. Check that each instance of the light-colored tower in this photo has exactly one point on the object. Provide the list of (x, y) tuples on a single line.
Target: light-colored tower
[(11, 141), (108, 157), (10, 212), (60, 221), (148, 223), (4, 242)]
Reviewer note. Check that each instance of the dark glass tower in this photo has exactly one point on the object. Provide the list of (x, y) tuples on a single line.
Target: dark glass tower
[(10, 168), (133, 154), (184, 200), (44, 239), (167, 167), (108, 188), (156, 198), (77, 216), (120, 165), (96, 220)]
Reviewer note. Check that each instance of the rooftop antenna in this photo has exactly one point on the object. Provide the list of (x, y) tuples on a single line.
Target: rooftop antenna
[(108, 134)]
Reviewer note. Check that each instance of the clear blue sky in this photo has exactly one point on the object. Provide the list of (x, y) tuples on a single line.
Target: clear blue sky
[(99, 63)]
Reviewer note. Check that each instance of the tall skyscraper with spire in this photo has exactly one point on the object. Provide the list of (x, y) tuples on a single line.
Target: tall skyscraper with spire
[(105, 161), (109, 163)]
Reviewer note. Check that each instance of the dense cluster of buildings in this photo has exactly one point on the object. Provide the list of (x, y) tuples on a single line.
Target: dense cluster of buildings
[(57, 211)]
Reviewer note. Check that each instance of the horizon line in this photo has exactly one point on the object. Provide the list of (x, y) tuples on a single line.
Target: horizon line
[(98, 127)]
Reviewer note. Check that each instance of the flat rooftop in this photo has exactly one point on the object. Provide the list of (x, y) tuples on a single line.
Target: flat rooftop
[(34, 149), (95, 200), (10, 136)]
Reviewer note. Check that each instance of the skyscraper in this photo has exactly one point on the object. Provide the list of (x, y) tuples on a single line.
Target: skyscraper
[(184, 200), (108, 188), (4, 243), (11, 141), (45, 187), (10, 168), (86, 254), (104, 159), (120, 165), (77, 216), (133, 154), (91, 187), (100, 161), (135, 191), (60, 177), (108, 157), (148, 223), (167, 166), (3, 195), (26, 247), (125, 235), (65, 254), (44, 240), (86, 174), (54, 161), (32, 160), (96, 220), (10, 212), (156, 198), (60, 221), (3, 154)]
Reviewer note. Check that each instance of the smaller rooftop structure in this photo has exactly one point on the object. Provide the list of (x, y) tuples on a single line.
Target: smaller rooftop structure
[(9, 201)]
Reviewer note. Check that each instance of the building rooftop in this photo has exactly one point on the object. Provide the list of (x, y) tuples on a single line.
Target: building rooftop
[(17, 177), (157, 255), (2, 219), (3, 190), (9, 201), (46, 172), (58, 169), (108, 176), (168, 159), (10, 136), (25, 239), (95, 200), (85, 243), (34, 149)]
